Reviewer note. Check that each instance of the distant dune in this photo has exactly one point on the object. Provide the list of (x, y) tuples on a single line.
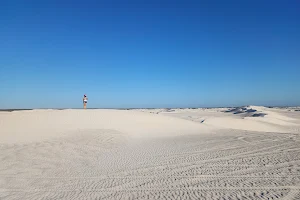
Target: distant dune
[(254, 118)]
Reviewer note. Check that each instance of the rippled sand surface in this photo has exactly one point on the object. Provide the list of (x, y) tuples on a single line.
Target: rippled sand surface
[(109, 154)]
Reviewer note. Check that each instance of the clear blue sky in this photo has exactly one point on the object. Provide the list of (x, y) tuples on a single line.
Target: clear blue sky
[(149, 53)]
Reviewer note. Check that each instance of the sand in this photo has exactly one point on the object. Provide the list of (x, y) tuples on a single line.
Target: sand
[(150, 154)]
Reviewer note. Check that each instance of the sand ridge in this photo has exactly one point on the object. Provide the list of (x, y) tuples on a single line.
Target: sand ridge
[(252, 118), (35, 125)]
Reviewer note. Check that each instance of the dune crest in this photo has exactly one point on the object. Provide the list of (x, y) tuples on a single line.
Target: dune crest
[(36, 125)]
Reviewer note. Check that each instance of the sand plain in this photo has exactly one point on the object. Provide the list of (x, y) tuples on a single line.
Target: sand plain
[(219, 153)]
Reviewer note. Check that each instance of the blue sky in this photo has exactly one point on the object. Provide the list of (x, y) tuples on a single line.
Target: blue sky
[(149, 53)]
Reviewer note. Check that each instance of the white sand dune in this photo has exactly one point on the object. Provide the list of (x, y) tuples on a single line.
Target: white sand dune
[(275, 120), (150, 154), (34, 125)]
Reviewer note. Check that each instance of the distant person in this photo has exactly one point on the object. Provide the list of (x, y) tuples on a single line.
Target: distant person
[(85, 100)]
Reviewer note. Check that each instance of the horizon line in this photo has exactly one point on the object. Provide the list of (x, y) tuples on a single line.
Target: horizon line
[(131, 108)]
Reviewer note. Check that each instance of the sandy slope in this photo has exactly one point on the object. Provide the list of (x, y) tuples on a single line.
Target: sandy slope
[(113, 154), (35, 125)]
